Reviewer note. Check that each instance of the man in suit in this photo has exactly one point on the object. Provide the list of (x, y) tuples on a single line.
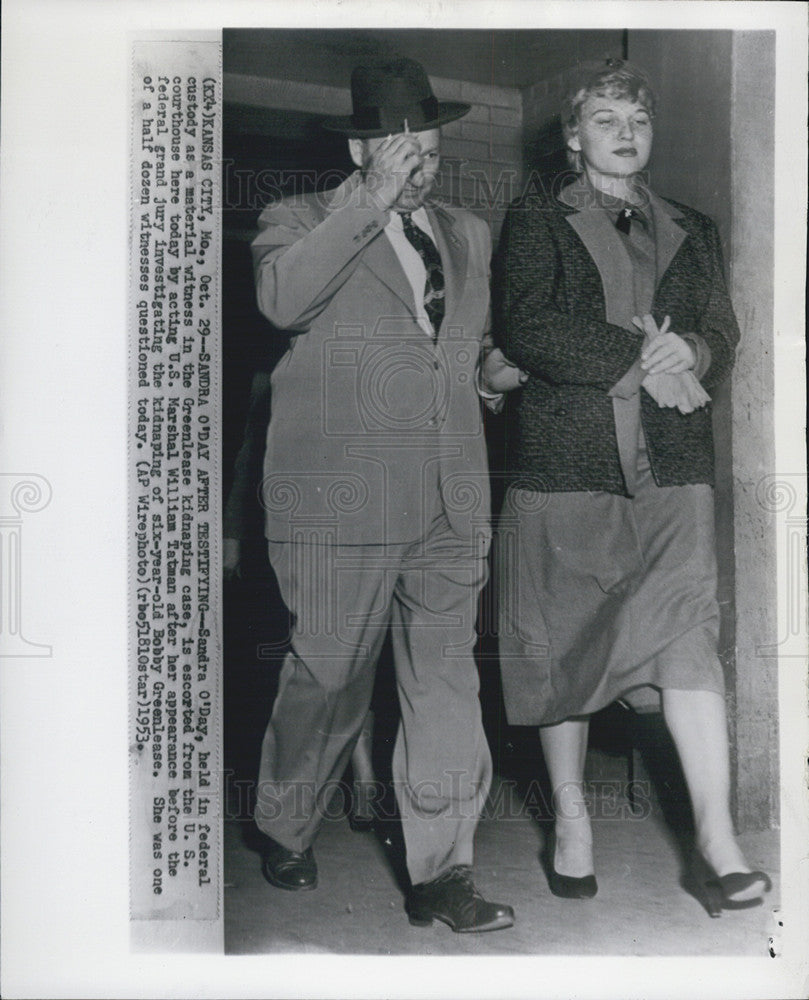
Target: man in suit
[(376, 492)]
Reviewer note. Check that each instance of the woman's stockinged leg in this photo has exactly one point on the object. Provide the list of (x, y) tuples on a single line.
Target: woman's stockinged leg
[(362, 756), (565, 747), (365, 790), (696, 720)]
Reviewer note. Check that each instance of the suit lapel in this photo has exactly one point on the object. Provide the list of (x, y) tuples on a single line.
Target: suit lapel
[(378, 255), (668, 235), (607, 249), (453, 248), (605, 246)]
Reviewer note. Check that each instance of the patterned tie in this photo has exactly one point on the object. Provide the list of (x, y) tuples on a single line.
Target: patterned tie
[(434, 285)]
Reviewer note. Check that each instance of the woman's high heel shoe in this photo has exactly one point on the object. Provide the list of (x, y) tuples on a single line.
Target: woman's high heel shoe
[(566, 886), (743, 882), (716, 893)]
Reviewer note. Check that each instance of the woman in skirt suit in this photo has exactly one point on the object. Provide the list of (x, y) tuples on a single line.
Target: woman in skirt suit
[(615, 323)]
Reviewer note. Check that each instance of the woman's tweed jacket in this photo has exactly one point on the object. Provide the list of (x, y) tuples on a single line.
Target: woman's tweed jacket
[(551, 321)]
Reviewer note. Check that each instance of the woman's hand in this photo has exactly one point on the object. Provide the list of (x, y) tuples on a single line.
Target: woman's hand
[(664, 353), (664, 356), (499, 374)]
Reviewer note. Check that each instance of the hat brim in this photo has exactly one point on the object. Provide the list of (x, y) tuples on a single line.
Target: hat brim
[(448, 111)]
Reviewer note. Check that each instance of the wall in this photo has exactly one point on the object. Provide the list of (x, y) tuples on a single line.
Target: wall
[(751, 285), (483, 150)]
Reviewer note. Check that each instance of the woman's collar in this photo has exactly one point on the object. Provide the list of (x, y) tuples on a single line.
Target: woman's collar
[(582, 194)]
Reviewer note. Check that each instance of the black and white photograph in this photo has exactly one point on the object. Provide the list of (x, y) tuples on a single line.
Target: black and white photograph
[(533, 741), (405, 415)]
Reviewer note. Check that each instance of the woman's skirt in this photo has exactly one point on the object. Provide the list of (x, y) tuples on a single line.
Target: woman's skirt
[(602, 596)]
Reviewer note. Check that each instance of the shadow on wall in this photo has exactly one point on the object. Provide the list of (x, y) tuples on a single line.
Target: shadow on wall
[(545, 151)]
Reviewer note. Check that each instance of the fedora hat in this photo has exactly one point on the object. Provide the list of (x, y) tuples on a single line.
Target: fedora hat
[(383, 96)]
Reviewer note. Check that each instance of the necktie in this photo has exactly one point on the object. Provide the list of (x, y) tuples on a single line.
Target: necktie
[(624, 221), (626, 217), (434, 284)]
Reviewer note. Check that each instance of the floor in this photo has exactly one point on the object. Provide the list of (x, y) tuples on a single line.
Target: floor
[(358, 908), (640, 909)]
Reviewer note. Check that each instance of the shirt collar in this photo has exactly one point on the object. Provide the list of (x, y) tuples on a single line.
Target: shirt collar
[(613, 206), (419, 217)]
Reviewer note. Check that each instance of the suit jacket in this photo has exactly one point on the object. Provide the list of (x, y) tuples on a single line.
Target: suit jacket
[(242, 516), (560, 314), (374, 426)]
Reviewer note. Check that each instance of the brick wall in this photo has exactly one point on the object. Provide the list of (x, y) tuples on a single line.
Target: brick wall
[(482, 152), (540, 101)]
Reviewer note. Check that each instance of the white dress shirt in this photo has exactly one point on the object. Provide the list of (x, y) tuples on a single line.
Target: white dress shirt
[(411, 261), (414, 268)]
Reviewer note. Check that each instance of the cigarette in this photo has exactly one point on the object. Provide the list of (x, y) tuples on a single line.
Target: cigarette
[(406, 128)]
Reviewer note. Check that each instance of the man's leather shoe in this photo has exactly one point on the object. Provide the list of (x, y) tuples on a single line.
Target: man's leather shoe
[(288, 869), (453, 898)]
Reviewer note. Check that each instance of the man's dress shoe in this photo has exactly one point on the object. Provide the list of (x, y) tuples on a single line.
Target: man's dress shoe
[(287, 869), (453, 898)]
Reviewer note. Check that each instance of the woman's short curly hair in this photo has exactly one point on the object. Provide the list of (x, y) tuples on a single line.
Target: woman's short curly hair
[(608, 78)]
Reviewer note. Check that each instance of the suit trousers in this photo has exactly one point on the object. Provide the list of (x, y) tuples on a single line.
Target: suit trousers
[(343, 599)]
